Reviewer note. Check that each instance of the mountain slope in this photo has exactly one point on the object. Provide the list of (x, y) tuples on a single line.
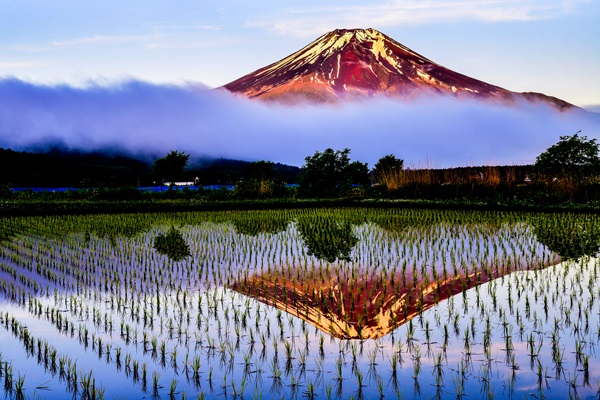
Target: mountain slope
[(355, 63)]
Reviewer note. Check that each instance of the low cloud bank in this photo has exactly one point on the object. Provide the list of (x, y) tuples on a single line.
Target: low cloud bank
[(143, 118), (593, 108)]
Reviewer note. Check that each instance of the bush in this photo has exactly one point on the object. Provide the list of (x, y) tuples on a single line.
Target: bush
[(5, 192), (259, 189), (222, 193), (388, 172), (124, 193)]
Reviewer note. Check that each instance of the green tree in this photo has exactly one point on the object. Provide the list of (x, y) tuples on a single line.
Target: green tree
[(359, 173), (171, 166), (572, 157), (387, 165), (261, 170), (259, 182), (330, 174)]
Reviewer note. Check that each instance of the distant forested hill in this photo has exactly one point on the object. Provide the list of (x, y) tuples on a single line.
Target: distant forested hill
[(64, 168), (59, 168)]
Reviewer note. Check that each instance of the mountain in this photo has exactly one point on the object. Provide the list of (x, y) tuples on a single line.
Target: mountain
[(357, 63)]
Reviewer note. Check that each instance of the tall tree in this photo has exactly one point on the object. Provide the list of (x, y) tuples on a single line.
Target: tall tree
[(572, 157), (258, 181), (387, 165), (330, 174), (359, 173), (388, 172), (260, 170), (171, 166)]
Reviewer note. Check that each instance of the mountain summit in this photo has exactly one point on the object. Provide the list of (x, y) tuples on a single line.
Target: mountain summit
[(351, 63)]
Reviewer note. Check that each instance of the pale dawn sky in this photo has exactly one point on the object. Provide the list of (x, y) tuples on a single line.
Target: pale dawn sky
[(523, 45)]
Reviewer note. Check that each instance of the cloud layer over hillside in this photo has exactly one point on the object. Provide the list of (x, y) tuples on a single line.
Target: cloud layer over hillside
[(145, 118)]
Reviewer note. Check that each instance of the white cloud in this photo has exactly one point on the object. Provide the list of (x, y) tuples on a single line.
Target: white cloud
[(162, 37), (592, 107), (183, 27), (311, 21), (21, 64), (99, 39), (141, 117)]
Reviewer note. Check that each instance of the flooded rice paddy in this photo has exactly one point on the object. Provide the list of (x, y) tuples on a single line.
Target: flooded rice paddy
[(327, 304)]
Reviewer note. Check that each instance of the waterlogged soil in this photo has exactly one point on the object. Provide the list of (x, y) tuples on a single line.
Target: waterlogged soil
[(300, 304)]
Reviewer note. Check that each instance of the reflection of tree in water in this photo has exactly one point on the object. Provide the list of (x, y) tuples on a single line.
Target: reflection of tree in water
[(113, 228), (259, 223), (327, 238), (397, 224), (99, 226), (404, 220), (8, 230), (172, 245), (569, 237), (116, 228), (12, 228)]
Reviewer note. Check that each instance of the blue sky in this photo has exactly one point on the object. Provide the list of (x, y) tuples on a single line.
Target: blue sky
[(523, 45)]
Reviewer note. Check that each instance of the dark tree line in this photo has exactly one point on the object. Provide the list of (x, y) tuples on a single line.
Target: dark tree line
[(326, 174), (63, 168)]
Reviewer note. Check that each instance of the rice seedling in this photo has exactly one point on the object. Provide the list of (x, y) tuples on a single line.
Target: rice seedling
[(155, 385), (19, 388), (172, 389)]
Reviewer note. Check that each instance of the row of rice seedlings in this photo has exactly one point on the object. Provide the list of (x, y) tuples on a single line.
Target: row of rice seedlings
[(11, 386), (78, 381)]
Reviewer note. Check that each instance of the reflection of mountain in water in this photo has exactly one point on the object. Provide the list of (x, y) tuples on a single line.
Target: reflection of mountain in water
[(359, 305), (361, 299)]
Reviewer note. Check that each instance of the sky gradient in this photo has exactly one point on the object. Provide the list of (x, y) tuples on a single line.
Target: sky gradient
[(545, 46)]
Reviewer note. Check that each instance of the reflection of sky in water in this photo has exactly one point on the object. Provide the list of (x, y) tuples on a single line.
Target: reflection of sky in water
[(222, 335)]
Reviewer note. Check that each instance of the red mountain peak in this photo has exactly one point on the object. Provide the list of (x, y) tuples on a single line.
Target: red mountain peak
[(350, 63)]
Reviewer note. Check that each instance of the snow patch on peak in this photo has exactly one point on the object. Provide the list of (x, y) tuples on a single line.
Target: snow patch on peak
[(379, 48), (332, 43), (321, 48), (382, 52), (369, 35)]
